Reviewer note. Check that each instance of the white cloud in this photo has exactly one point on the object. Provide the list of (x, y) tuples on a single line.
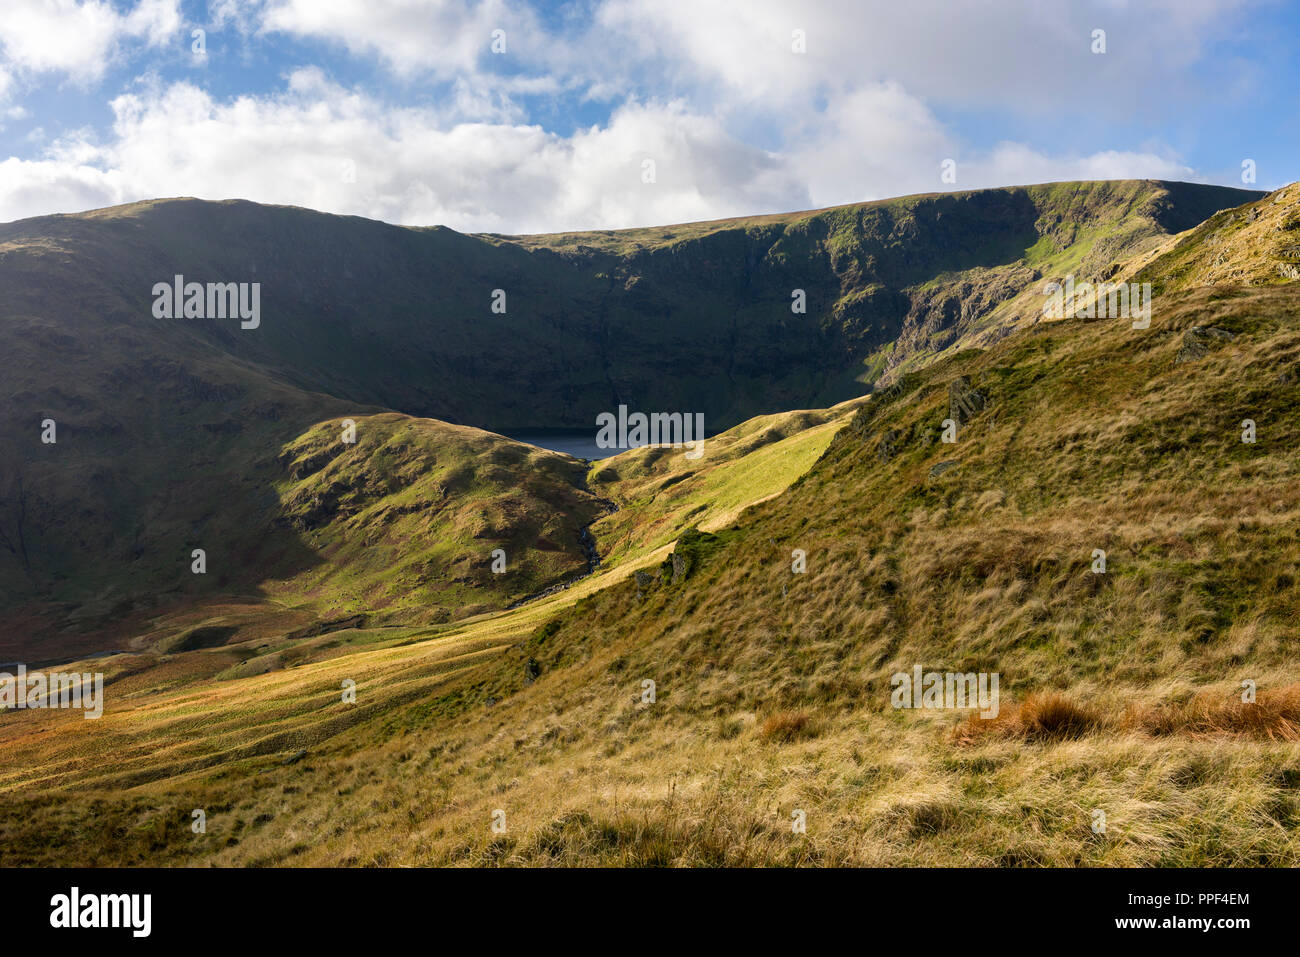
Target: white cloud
[(1019, 163), (241, 14), (439, 37), (880, 141), (736, 55), (78, 38), (1020, 54), (153, 20), (35, 188), (868, 144), (734, 120), (420, 166), (296, 148)]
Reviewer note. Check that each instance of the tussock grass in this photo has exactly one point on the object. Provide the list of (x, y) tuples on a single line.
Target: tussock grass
[(1053, 716), (1043, 716), (1273, 716), (787, 726)]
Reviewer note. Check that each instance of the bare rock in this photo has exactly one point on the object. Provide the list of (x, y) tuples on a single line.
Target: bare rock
[(888, 446), (1198, 340)]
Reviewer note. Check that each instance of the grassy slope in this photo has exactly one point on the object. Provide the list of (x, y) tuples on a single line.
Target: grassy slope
[(237, 709), (1095, 437), (661, 493), (408, 518), (773, 688), (1255, 244), (170, 429), (156, 458)]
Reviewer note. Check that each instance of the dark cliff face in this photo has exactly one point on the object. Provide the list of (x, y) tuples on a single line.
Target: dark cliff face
[(403, 318)]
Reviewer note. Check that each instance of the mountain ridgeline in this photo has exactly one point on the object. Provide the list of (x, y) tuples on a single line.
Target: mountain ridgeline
[(172, 435), (692, 317)]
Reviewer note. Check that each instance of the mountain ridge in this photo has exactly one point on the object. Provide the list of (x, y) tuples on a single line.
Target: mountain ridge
[(177, 426), (586, 330)]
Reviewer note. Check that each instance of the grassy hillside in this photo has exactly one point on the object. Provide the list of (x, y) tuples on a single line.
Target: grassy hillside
[(407, 520), (1121, 685), (171, 431), (157, 458), (1255, 244), (661, 493), (192, 687), (1121, 690)]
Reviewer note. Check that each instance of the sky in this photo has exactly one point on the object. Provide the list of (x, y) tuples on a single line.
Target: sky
[(518, 116)]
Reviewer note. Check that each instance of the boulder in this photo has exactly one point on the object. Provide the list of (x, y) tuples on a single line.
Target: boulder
[(1198, 340), (888, 446)]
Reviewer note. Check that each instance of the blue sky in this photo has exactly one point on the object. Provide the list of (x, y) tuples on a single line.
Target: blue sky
[(609, 113)]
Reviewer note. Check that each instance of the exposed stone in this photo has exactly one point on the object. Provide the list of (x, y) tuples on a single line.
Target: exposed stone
[(940, 467), (948, 310), (888, 447), (1198, 340)]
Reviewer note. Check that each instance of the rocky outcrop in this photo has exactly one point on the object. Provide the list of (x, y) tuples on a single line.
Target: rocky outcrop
[(1198, 340), (952, 309), (681, 566), (888, 446)]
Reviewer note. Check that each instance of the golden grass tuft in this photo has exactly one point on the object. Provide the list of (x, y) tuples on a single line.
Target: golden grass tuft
[(1041, 716), (1052, 716), (1273, 716), (787, 726)]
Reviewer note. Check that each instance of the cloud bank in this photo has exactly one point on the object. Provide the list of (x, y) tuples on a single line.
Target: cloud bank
[(705, 110)]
